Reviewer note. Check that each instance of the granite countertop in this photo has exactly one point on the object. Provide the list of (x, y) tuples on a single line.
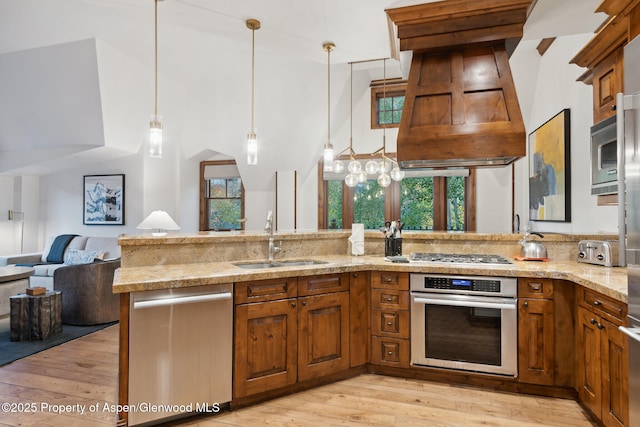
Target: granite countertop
[(610, 281)]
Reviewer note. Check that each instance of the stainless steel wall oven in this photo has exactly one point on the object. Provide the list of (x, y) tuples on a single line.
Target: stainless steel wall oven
[(464, 322)]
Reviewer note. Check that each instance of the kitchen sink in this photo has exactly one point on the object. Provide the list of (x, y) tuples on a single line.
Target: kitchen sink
[(274, 264)]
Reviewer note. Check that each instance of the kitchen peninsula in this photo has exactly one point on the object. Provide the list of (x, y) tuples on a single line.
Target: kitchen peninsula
[(356, 285)]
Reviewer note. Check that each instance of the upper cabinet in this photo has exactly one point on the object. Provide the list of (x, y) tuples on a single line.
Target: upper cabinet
[(603, 54)]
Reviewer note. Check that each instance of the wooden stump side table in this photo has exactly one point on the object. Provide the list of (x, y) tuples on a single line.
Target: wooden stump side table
[(35, 317)]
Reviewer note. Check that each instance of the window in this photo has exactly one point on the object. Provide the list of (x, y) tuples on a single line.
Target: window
[(221, 196), (420, 202), (387, 103)]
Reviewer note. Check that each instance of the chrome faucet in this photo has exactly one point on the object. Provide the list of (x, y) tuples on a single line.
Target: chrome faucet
[(269, 226)]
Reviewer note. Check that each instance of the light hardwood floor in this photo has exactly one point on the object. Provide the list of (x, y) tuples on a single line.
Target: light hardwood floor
[(84, 372)]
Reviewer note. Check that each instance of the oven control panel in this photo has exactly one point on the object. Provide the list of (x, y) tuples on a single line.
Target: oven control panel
[(495, 286), (463, 284)]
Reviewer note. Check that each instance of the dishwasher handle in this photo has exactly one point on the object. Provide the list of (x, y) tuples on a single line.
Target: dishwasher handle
[(458, 303), (181, 300), (633, 333)]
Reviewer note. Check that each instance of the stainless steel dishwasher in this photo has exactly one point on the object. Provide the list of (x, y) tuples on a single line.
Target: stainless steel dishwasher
[(180, 352)]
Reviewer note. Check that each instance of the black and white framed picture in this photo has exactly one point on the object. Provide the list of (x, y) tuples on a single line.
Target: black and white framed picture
[(103, 200)]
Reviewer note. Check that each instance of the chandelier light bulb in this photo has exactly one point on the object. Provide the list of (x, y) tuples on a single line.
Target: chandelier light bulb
[(362, 176), (397, 174), (351, 180), (385, 166), (372, 167), (338, 166), (384, 180), (354, 167)]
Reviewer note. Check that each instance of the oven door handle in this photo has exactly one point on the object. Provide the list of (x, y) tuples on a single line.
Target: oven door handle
[(459, 303)]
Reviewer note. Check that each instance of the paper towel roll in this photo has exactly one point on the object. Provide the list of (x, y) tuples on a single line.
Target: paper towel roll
[(357, 239)]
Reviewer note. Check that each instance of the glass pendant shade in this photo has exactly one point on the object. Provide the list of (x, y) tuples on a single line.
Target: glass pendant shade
[(385, 166), (328, 157), (155, 137), (354, 167), (397, 174), (372, 167), (338, 166), (384, 180), (351, 180), (252, 148), (362, 176)]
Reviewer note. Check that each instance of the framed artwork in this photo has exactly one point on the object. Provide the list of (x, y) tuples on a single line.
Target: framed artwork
[(549, 170), (103, 200)]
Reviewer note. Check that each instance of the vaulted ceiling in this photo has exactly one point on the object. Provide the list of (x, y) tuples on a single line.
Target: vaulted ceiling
[(292, 28)]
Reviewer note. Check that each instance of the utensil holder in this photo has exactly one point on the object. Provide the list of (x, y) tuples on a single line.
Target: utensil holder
[(392, 246)]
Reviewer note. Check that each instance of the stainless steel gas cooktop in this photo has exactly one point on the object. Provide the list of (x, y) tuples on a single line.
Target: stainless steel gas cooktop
[(459, 258)]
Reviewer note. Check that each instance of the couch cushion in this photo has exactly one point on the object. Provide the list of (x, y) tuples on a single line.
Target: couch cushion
[(45, 270), (77, 242), (109, 245), (78, 256)]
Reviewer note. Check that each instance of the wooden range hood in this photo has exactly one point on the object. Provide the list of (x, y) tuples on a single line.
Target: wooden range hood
[(461, 107)]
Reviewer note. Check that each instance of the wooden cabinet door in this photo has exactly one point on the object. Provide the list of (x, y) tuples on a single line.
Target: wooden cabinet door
[(607, 82), (265, 346), (588, 363), (323, 335), (615, 385), (359, 318), (536, 341)]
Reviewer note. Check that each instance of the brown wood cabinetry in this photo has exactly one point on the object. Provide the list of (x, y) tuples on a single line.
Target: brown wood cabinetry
[(390, 319), (289, 330), (545, 319), (602, 358), (359, 329), (607, 81), (536, 337)]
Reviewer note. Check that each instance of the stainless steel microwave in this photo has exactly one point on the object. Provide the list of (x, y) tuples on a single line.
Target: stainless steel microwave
[(604, 157)]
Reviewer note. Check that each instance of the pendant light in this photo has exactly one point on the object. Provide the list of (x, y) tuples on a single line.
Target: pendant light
[(328, 147), (252, 138), (354, 167), (155, 126)]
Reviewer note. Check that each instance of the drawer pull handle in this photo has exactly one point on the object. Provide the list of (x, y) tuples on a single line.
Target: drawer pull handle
[(596, 303), (293, 304), (592, 321), (304, 302), (389, 323), (600, 326), (526, 303), (536, 287), (389, 279), (355, 274), (389, 299), (390, 353)]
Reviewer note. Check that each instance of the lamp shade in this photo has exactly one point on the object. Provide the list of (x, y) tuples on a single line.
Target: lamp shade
[(160, 221)]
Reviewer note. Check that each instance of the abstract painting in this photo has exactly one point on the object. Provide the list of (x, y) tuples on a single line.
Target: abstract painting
[(103, 200), (549, 170)]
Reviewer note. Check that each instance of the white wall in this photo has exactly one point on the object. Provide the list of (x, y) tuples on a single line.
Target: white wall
[(550, 82)]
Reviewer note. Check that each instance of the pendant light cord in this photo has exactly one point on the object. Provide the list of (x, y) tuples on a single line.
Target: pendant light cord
[(351, 111), (155, 107), (328, 95), (253, 41)]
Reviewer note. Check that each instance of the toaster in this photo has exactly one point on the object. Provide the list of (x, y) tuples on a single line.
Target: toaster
[(599, 252)]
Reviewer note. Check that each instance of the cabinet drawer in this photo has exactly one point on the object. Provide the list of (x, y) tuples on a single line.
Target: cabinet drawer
[(390, 322), (323, 284), (265, 290), (390, 352), (535, 288), (615, 311), (389, 298), (390, 280)]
